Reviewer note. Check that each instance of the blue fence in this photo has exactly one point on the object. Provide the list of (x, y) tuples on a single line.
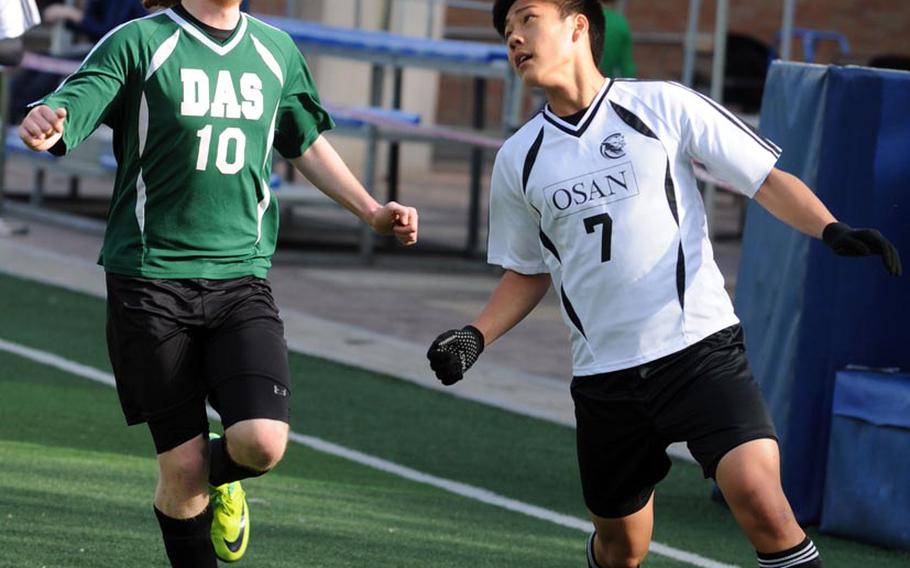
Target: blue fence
[(808, 313), (867, 486)]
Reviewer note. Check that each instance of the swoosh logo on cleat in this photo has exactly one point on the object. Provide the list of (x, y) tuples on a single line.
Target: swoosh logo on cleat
[(235, 545)]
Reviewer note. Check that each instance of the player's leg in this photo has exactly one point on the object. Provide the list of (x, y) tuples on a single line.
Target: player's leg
[(620, 460), (255, 445), (249, 385), (621, 542), (249, 448), (723, 417), (181, 496), (749, 478), (156, 365), (246, 364)]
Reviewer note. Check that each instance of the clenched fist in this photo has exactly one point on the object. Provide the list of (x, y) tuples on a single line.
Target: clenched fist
[(42, 128)]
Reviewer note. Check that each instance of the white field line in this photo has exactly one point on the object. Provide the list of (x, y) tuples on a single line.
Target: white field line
[(462, 489), (85, 277)]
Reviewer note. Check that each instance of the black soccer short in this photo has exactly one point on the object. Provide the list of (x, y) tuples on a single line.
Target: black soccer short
[(704, 395), (173, 343)]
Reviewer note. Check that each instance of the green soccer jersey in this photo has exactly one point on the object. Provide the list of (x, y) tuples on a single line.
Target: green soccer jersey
[(194, 123)]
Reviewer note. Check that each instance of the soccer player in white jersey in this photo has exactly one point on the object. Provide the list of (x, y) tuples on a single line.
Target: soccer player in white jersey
[(198, 95), (596, 194)]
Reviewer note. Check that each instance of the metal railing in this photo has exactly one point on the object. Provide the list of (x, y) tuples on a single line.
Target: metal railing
[(292, 9)]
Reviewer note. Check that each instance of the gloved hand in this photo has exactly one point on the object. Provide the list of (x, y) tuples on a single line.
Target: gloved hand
[(454, 352), (847, 241)]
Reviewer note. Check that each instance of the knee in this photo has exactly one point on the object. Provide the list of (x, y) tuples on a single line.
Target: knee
[(620, 555), (766, 508), (259, 450), (624, 561)]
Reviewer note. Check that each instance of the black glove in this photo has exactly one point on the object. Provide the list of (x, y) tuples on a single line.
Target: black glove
[(454, 352), (847, 241)]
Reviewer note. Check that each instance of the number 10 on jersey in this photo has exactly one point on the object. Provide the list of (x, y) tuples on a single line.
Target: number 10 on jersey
[(225, 139)]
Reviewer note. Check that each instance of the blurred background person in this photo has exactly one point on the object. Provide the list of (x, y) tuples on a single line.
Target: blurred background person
[(92, 22), (97, 17), (616, 60), (16, 17), (89, 24)]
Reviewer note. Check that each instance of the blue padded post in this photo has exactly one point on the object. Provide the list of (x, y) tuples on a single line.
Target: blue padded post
[(807, 312)]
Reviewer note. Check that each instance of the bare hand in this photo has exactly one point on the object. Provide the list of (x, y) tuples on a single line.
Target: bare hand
[(42, 128), (396, 219)]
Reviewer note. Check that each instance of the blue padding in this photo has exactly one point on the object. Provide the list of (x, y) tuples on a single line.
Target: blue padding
[(807, 312), (108, 162), (877, 398), (867, 495), (387, 43), (345, 117)]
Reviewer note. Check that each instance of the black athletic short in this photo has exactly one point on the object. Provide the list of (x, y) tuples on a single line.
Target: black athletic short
[(704, 395), (172, 343)]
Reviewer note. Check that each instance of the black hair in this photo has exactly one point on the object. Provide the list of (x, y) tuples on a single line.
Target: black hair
[(589, 8)]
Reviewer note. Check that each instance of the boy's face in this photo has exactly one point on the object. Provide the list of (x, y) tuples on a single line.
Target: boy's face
[(541, 42)]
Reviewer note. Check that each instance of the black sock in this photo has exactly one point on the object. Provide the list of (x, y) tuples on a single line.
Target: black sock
[(188, 542), (222, 468), (803, 555)]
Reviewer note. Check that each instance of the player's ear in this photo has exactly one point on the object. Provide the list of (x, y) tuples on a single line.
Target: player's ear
[(581, 26)]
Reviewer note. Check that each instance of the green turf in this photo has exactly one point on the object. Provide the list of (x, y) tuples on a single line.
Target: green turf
[(522, 458), (76, 492)]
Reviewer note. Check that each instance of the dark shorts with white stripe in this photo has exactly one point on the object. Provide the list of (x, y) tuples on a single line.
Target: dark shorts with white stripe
[(175, 343), (704, 395)]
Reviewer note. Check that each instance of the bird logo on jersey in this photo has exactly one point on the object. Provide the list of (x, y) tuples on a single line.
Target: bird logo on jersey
[(613, 146)]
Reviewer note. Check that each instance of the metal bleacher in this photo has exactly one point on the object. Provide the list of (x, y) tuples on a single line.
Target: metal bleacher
[(373, 123), (385, 50), (94, 157)]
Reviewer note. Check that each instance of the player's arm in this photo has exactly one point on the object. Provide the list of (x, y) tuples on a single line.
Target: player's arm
[(84, 100), (300, 122), (789, 199), (455, 351), (513, 243), (732, 151), (325, 169), (513, 299), (786, 197)]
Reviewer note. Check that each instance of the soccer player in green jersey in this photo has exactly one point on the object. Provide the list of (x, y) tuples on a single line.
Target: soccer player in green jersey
[(197, 96)]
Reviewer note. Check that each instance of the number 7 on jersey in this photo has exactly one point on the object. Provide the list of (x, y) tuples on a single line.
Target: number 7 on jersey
[(607, 236)]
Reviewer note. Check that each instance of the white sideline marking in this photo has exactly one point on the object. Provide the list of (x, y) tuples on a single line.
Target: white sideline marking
[(458, 488), (491, 385)]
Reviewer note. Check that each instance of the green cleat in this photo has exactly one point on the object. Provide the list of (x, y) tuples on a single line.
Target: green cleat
[(231, 522)]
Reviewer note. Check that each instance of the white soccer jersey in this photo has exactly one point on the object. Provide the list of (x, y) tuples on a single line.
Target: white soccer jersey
[(16, 17), (610, 208)]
